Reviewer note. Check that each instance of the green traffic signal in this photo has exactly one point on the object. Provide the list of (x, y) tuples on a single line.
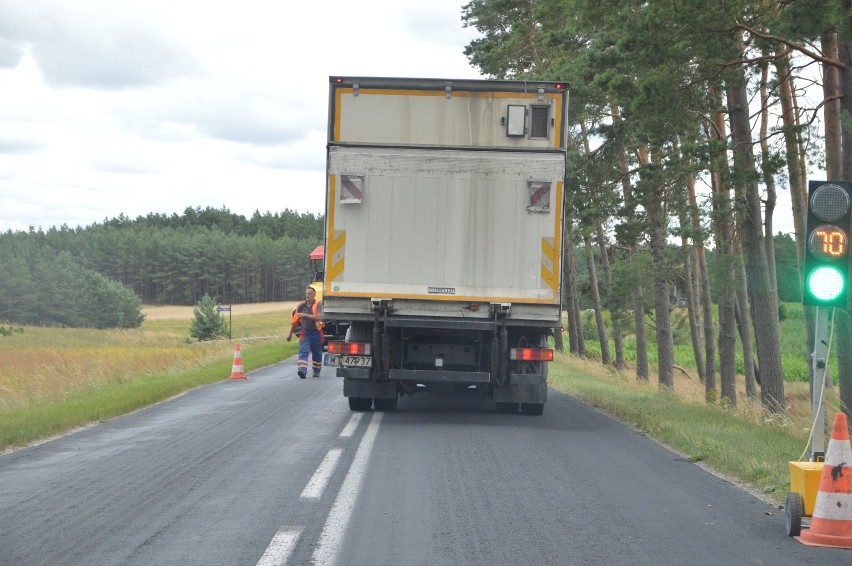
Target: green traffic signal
[(826, 284), (827, 255)]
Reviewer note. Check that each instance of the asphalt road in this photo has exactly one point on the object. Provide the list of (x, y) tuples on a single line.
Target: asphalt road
[(277, 470)]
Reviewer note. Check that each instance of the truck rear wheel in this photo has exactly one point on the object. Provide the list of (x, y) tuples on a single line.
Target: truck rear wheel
[(503, 407), (360, 403), (386, 405), (536, 409)]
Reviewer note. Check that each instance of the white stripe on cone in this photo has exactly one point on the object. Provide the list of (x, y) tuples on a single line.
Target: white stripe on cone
[(830, 505)]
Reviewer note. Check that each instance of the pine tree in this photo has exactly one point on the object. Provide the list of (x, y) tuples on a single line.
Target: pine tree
[(207, 324)]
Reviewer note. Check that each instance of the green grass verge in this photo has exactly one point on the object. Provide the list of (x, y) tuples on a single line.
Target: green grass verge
[(106, 401)]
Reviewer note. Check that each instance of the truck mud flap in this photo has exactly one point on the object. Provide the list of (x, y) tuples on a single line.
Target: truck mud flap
[(521, 393), (369, 389), (526, 378)]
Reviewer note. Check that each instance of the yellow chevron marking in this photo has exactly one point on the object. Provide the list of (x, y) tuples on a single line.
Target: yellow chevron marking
[(336, 255), (556, 244), (548, 263)]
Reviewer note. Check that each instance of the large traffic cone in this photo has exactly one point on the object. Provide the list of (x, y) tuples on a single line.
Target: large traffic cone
[(831, 524), (238, 371)]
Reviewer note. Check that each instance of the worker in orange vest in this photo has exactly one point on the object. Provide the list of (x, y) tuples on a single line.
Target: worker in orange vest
[(307, 320)]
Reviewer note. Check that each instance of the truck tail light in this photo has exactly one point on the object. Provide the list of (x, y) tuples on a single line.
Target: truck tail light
[(531, 355), (349, 348)]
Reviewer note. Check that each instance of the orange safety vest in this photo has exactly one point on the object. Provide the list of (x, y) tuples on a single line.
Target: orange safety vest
[(297, 318)]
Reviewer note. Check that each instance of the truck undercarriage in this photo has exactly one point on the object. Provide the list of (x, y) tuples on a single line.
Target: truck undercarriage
[(502, 361)]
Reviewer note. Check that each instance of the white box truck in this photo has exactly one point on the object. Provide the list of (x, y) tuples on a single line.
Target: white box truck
[(443, 243)]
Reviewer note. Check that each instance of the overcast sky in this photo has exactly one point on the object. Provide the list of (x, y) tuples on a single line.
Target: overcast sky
[(138, 106)]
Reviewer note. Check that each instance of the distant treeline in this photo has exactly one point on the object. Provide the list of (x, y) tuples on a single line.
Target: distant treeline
[(274, 225), (99, 275)]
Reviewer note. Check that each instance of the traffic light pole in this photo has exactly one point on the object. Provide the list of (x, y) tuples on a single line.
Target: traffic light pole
[(819, 361), (826, 284)]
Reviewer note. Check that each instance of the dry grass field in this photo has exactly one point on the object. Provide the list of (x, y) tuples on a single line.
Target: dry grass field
[(43, 365)]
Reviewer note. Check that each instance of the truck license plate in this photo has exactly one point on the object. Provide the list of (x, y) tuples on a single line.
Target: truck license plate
[(343, 360)]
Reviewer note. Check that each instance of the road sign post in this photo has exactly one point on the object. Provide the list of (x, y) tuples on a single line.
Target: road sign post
[(819, 367), (221, 309)]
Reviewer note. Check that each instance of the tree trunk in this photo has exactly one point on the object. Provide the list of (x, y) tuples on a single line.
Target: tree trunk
[(833, 131), (844, 328), (768, 179), (726, 261), (744, 316), (692, 310), (569, 277), (763, 298), (796, 166), (658, 228), (578, 322), (615, 313), (662, 304), (691, 299), (557, 337), (638, 291), (639, 324), (707, 312), (703, 281), (596, 301)]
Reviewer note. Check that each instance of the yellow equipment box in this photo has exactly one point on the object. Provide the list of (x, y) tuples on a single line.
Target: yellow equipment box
[(804, 480)]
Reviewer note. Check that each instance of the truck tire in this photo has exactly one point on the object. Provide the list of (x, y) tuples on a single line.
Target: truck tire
[(504, 407), (535, 409), (360, 403), (386, 405)]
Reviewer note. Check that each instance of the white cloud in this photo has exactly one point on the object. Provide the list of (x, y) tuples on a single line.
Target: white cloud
[(93, 44), (138, 106), (10, 52)]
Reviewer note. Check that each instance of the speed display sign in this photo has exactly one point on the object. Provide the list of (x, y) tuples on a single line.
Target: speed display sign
[(827, 252)]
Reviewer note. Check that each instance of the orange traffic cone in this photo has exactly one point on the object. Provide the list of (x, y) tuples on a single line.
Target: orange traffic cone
[(238, 371), (831, 524)]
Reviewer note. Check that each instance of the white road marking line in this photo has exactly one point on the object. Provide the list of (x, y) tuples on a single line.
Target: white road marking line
[(280, 548), (341, 511), (320, 478), (350, 427)]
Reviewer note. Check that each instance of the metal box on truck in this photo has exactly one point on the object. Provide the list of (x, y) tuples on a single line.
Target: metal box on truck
[(444, 236)]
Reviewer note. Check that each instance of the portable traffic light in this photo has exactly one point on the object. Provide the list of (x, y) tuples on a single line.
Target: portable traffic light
[(827, 251)]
